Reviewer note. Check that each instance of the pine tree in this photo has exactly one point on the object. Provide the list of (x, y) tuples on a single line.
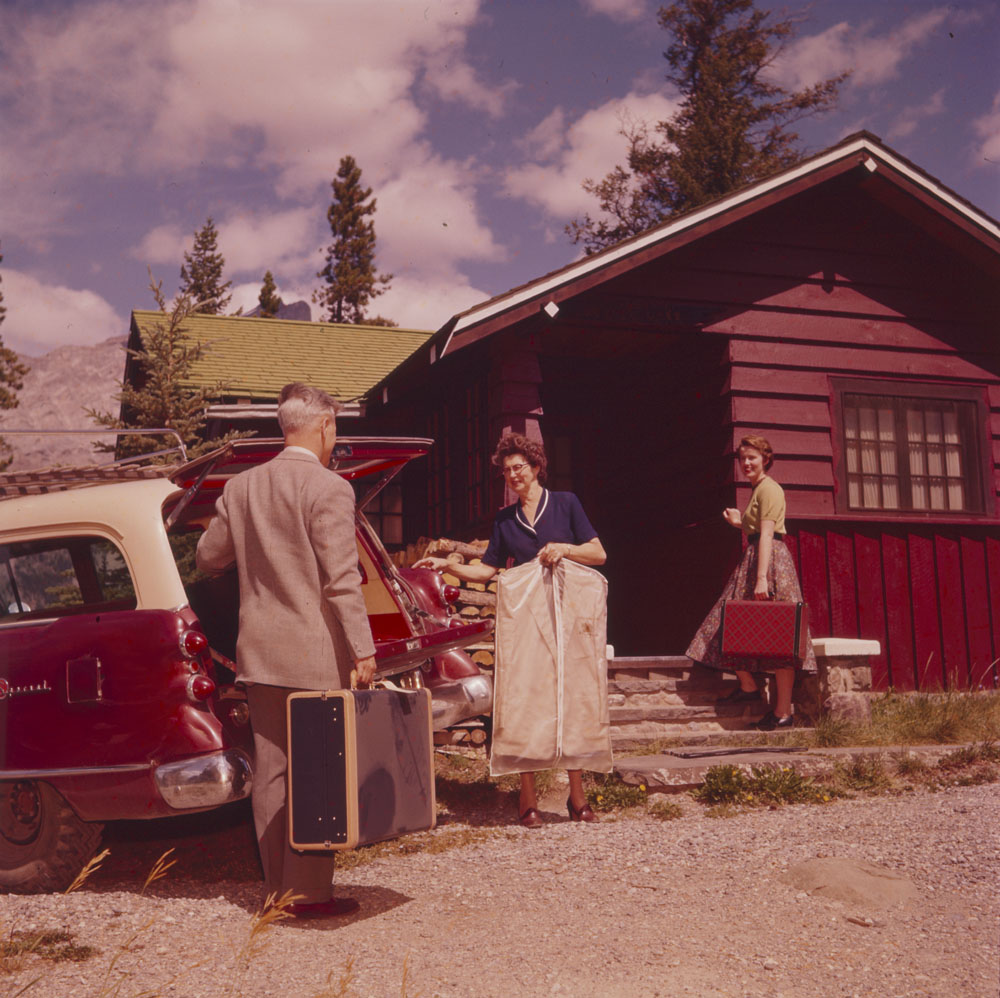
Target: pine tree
[(161, 395), (201, 273), (12, 373), (268, 299), (349, 275), (733, 126)]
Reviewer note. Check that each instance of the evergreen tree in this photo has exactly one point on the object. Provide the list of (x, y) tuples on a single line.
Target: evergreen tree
[(160, 395), (733, 126), (268, 299), (201, 273), (12, 373), (349, 275)]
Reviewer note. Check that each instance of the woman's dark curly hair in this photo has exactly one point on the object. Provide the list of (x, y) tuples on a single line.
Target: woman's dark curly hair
[(516, 443)]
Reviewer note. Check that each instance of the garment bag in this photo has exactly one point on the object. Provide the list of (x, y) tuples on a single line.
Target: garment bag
[(551, 677)]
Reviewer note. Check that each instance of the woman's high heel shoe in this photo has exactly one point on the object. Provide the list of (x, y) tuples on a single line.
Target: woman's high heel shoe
[(584, 814)]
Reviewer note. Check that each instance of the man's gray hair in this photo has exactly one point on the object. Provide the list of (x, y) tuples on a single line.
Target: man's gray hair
[(300, 405)]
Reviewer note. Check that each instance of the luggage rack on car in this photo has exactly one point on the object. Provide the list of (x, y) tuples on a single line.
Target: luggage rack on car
[(14, 484)]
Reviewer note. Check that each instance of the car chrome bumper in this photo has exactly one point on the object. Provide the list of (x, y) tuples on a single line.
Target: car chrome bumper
[(461, 699), (205, 781)]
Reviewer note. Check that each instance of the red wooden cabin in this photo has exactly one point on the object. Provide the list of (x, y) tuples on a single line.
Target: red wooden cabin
[(847, 309)]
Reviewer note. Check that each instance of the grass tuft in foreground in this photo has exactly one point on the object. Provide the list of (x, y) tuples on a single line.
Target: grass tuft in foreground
[(763, 786)]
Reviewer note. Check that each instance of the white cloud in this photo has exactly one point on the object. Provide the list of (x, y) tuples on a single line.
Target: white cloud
[(126, 85), (416, 303), (911, 117), (42, 316), (426, 219), (567, 154), (618, 10), (987, 129), (457, 82), (872, 58), (281, 241)]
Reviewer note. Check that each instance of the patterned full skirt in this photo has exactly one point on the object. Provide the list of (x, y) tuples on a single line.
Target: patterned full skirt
[(782, 584)]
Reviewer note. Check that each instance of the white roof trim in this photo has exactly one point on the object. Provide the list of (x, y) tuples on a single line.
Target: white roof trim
[(590, 264), (266, 410)]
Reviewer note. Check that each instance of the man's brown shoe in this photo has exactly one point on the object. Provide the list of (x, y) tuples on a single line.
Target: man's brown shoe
[(323, 909)]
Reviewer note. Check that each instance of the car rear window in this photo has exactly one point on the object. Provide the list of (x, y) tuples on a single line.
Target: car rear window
[(56, 576)]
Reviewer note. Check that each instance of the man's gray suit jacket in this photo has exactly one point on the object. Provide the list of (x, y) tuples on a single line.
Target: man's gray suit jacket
[(289, 526)]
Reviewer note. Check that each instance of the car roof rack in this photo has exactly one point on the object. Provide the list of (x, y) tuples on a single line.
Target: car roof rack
[(62, 478)]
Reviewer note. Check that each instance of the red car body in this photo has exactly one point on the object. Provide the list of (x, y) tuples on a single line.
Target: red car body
[(116, 662)]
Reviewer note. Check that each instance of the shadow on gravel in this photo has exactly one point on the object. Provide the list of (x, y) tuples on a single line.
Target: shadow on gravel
[(208, 848), (374, 901), (477, 804)]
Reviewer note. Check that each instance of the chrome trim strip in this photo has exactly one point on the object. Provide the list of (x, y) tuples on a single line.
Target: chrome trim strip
[(36, 622), (41, 774)]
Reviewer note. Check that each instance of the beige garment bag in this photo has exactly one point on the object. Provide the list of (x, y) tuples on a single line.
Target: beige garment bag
[(551, 681)]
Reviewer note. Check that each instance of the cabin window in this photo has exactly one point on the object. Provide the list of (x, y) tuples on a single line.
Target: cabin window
[(385, 513), (57, 576), (918, 452)]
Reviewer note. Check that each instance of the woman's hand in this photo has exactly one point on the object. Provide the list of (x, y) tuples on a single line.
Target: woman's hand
[(732, 517), (760, 590), (553, 553), (437, 563)]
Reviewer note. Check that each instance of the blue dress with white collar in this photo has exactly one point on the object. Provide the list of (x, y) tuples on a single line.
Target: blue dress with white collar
[(559, 518)]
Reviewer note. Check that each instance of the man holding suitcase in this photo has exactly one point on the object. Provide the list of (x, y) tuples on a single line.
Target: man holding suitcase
[(289, 527)]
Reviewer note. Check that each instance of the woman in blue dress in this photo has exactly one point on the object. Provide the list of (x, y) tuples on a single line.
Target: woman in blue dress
[(546, 525)]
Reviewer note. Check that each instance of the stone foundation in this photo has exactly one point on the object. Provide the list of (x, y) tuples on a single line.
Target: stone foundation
[(842, 684)]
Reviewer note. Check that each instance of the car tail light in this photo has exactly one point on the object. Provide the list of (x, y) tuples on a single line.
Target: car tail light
[(451, 593), (193, 643), (200, 688)]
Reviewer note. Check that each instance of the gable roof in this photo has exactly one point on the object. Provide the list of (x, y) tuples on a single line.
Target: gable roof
[(859, 151), (254, 358)]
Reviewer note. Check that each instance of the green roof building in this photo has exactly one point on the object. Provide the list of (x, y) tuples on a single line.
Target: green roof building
[(250, 359)]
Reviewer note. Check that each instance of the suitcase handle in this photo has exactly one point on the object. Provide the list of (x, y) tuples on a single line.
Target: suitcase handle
[(378, 684)]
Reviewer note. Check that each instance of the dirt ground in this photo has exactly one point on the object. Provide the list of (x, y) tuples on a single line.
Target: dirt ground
[(878, 897)]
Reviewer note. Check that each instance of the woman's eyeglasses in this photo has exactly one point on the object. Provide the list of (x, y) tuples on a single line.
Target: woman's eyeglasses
[(515, 469)]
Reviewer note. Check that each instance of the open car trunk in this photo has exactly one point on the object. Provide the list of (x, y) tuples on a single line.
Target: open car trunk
[(405, 635)]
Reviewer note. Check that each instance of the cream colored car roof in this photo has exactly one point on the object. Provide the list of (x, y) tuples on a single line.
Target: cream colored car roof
[(129, 513)]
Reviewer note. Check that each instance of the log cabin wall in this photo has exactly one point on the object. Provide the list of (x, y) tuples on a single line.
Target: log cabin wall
[(826, 290), (645, 381)]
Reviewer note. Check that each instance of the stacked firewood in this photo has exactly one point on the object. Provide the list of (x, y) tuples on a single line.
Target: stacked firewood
[(476, 599)]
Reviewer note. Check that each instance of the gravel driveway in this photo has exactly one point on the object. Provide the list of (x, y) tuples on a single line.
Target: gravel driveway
[(631, 907)]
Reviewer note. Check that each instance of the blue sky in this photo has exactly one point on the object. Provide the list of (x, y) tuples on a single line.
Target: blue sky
[(127, 123)]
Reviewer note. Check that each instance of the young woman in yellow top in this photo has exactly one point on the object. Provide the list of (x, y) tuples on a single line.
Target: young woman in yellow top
[(766, 571)]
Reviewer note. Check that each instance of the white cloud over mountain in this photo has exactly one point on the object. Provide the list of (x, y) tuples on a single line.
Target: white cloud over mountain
[(41, 316)]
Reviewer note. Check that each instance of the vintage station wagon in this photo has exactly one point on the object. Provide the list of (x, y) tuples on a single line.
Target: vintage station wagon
[(117, 697)]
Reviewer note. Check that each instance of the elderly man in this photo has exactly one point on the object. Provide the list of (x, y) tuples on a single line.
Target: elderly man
[(289, 527)]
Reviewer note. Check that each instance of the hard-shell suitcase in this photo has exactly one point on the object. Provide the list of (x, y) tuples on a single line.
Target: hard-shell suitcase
[(360, 767), (764, 629)]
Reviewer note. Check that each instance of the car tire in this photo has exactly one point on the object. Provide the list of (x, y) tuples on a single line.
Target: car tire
[(43, 844)]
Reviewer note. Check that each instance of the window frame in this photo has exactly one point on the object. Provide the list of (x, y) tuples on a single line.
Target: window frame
[(978, 477), (80, 549)]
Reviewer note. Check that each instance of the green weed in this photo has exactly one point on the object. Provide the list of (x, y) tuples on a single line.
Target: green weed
[(665, 810), (725, 784), (764, 786), (780, 785), (55, 945), (863, 773), (605, 792)]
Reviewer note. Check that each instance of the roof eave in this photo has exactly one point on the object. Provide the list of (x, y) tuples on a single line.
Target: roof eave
[(862, 148)]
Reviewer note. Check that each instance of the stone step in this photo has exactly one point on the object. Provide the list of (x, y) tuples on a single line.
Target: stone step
[(630, 686), (680, 713)]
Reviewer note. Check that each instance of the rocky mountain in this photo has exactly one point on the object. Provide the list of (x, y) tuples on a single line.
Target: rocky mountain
[(59, 387), (296, 310)]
